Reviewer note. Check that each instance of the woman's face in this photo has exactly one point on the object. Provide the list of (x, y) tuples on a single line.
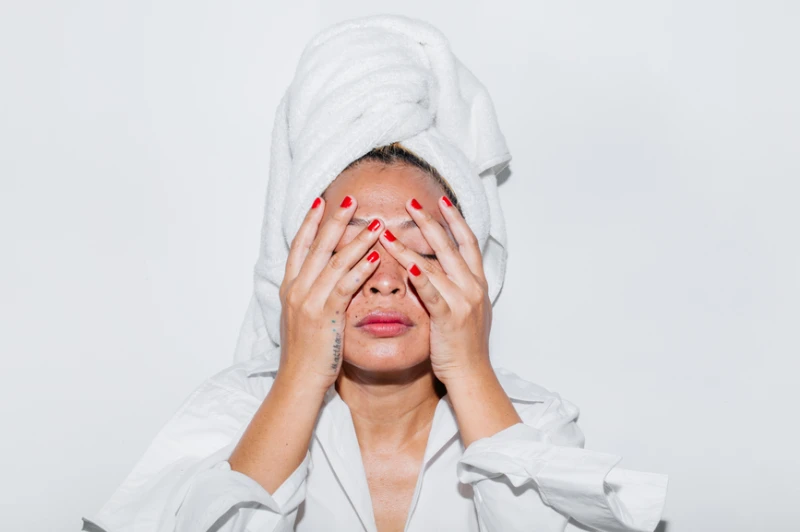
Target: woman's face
[(381, 191)]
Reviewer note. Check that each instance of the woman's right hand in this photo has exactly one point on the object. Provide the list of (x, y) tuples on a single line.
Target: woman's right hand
[(317, 288)]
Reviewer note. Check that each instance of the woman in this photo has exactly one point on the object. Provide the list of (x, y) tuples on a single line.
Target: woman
[(366, 399)]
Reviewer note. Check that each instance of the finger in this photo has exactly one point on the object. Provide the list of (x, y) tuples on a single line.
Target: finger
[(326, 240), (304, 238), (430, 296), (341, 263), (346, 287), (468, 244), (429, 267), (443, 245)]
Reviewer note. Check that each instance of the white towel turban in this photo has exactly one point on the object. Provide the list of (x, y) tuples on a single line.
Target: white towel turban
[(359, 85)]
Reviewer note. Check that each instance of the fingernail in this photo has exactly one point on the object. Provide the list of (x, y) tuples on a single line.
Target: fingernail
[(316, 203), (415, 204), (446, 201), (372, 257), (389, 236), (414, 270), (346, 202), (374, 225)]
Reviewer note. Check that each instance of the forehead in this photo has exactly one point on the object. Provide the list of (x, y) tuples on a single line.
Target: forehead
[(384, 189)]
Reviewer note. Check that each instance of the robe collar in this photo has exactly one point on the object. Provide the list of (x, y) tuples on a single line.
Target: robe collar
[(336, 435)]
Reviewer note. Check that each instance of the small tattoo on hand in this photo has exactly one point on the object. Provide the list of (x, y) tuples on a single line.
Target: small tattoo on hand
[(337, 350)]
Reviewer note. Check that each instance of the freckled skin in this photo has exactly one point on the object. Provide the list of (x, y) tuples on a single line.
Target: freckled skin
[(381, 192)]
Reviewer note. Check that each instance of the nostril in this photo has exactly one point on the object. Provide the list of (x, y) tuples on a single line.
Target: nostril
[(373, 290), (395, 290)]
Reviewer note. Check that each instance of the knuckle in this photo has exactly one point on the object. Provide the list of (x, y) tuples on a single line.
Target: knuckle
[(435, 298), (429, 266), (337, 262), (477, 301), (315, 247), (484, 285), (282, 292), (307, 309), (475, 296), (293, 299), (461, 314), (320, 248), (474, 302), (341, 291)]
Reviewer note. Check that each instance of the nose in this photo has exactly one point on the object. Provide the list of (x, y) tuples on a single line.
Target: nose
[(388, 280)]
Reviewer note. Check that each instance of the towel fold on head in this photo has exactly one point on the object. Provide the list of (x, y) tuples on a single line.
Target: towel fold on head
[(362, 84)]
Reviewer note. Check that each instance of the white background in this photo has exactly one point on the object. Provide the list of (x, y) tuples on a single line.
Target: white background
[(652, 211)]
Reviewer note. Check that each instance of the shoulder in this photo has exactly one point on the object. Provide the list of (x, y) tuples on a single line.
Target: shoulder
[(222, 403), (252, 378), (542, 409)]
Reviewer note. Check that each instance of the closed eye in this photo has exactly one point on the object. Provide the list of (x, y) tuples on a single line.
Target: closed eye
[(425, 255)]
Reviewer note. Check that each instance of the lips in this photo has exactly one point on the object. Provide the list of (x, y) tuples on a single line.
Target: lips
[(382, 316), (384, 324)]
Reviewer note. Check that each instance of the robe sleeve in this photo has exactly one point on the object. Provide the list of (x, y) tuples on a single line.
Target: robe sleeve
[(537, 476), (184, 482)]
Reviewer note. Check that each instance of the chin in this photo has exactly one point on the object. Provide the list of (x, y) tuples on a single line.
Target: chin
[(385, 355)]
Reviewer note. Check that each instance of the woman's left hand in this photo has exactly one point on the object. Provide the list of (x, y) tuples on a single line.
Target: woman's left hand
[(453, 289)]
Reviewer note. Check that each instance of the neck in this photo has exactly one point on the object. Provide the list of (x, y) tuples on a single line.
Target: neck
[(390, 410)]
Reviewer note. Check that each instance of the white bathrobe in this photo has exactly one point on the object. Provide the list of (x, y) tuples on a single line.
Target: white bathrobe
[(362, 84), (530, 477)]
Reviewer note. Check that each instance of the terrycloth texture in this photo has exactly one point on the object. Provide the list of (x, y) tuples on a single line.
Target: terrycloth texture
[(359, 85)]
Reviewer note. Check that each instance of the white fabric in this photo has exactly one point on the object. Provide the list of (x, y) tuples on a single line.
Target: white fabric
[(362, 84), (359, 85), (529, 477)]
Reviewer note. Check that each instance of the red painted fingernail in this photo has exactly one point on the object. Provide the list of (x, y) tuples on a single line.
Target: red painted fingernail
[(316, 203), (414, 270), (346, 202), (446, 201), (415, 204), (372, 257), (374, 225), (389, 236)]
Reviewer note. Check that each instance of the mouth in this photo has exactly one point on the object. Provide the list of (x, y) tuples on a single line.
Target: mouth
[(385, 324)]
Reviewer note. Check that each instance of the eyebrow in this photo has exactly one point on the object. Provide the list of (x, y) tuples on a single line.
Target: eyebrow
[(405, 224), (363, 222)]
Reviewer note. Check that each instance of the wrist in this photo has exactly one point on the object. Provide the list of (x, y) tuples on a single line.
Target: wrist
[(480, 403), (469, 377), (301, 386)]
